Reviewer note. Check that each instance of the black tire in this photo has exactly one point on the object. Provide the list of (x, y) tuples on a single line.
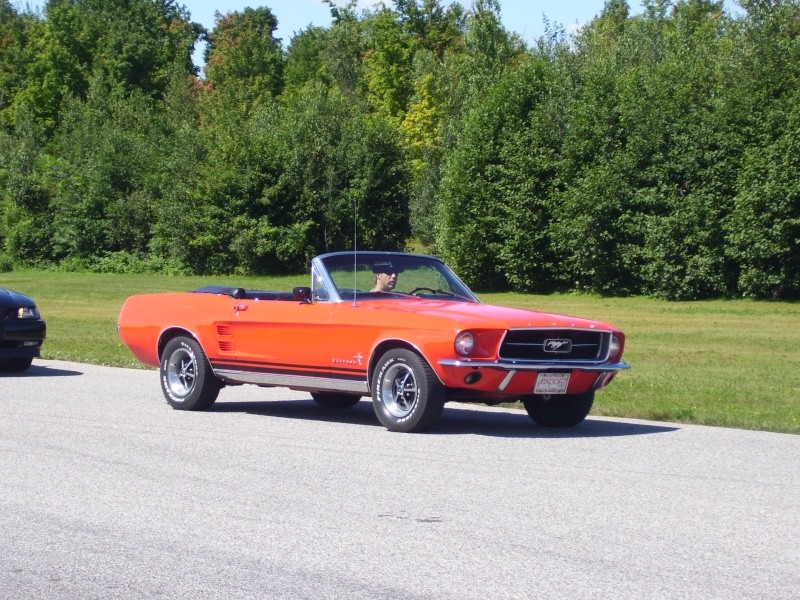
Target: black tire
[(331, 400), (557, 410), (15, 365), (406, 394), (187, 380)]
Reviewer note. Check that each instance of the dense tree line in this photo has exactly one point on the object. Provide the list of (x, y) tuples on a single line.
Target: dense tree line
[(656, 153)]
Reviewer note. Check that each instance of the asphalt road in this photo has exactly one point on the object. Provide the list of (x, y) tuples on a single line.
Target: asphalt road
[(106, 492)]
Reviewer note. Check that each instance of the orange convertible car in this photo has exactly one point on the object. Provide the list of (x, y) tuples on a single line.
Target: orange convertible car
[(399, 327)]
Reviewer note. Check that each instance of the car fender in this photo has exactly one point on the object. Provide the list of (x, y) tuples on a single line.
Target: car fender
[(429, 350)]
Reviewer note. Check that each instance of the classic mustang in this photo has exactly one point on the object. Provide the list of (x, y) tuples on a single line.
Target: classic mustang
[(399, 327), (22, 331)]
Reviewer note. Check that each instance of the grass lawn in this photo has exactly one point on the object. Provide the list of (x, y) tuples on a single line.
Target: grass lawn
[(730, 363)]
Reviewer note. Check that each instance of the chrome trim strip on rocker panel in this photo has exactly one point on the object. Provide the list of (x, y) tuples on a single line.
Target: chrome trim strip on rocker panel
[(296, 382)]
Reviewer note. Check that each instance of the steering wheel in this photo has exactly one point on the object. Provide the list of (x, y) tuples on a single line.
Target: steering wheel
[(423, 289)]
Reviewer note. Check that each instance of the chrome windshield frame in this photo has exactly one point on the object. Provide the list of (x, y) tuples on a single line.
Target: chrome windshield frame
[(366, 256)]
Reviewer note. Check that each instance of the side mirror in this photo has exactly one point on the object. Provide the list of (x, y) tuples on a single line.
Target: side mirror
[(302, 294)]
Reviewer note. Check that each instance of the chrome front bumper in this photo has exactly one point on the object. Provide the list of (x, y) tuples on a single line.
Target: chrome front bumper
[(520, 365)]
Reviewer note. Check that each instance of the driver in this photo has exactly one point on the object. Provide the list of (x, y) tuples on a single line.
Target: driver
[(385, 277)]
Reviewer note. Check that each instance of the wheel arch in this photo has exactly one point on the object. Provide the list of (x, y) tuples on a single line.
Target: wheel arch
[(171, 333), (394, 344)]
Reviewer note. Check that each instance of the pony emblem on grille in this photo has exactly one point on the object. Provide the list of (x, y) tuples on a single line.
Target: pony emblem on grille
[(558, 346)]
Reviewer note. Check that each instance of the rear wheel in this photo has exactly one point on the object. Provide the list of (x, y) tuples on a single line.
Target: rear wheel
[(329, 400), (187, 380), (406, 394), (559, 410)]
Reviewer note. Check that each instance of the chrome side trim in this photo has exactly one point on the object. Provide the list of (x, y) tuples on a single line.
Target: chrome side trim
[(295, 382), (535, 366)]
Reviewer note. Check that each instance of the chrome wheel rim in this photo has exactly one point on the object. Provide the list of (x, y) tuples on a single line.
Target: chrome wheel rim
[(181, 373), (399, 390)]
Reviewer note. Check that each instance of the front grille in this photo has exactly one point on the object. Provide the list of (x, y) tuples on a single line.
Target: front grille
[(555, 345), (4, 312)]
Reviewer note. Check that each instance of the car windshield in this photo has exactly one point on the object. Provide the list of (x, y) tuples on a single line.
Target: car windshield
[(412, 275)]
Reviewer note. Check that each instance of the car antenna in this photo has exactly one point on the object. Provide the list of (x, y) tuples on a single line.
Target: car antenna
[(355, 250)]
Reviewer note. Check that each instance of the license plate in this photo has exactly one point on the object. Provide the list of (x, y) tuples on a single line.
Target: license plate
[(551, 383)]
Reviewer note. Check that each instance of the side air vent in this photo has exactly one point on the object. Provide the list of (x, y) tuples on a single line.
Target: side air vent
[(224, 333)]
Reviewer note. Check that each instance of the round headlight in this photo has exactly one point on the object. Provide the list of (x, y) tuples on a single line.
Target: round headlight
[(616, 347), (465, 343)]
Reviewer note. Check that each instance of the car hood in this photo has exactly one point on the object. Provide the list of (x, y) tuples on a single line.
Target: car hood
[(11, 299), (468, 315)]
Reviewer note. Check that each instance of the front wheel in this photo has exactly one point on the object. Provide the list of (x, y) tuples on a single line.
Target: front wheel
[(15, 365), (187, 380), (559, 410), (406, 394)]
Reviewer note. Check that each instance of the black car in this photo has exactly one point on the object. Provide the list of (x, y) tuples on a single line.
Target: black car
[(22, 331)]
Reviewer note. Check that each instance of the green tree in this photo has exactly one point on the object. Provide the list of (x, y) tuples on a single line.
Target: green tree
[(305, 59), (17, 34), (387, 63), (24, 196), (437, 28), (447, 93), (243, 57), (177, 204), (226, 164), (692, 172), (646, 174), (345, 48), (421, 129), (101, 187), (763, 229), (339, 163), (130, 42), (496, 195)]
